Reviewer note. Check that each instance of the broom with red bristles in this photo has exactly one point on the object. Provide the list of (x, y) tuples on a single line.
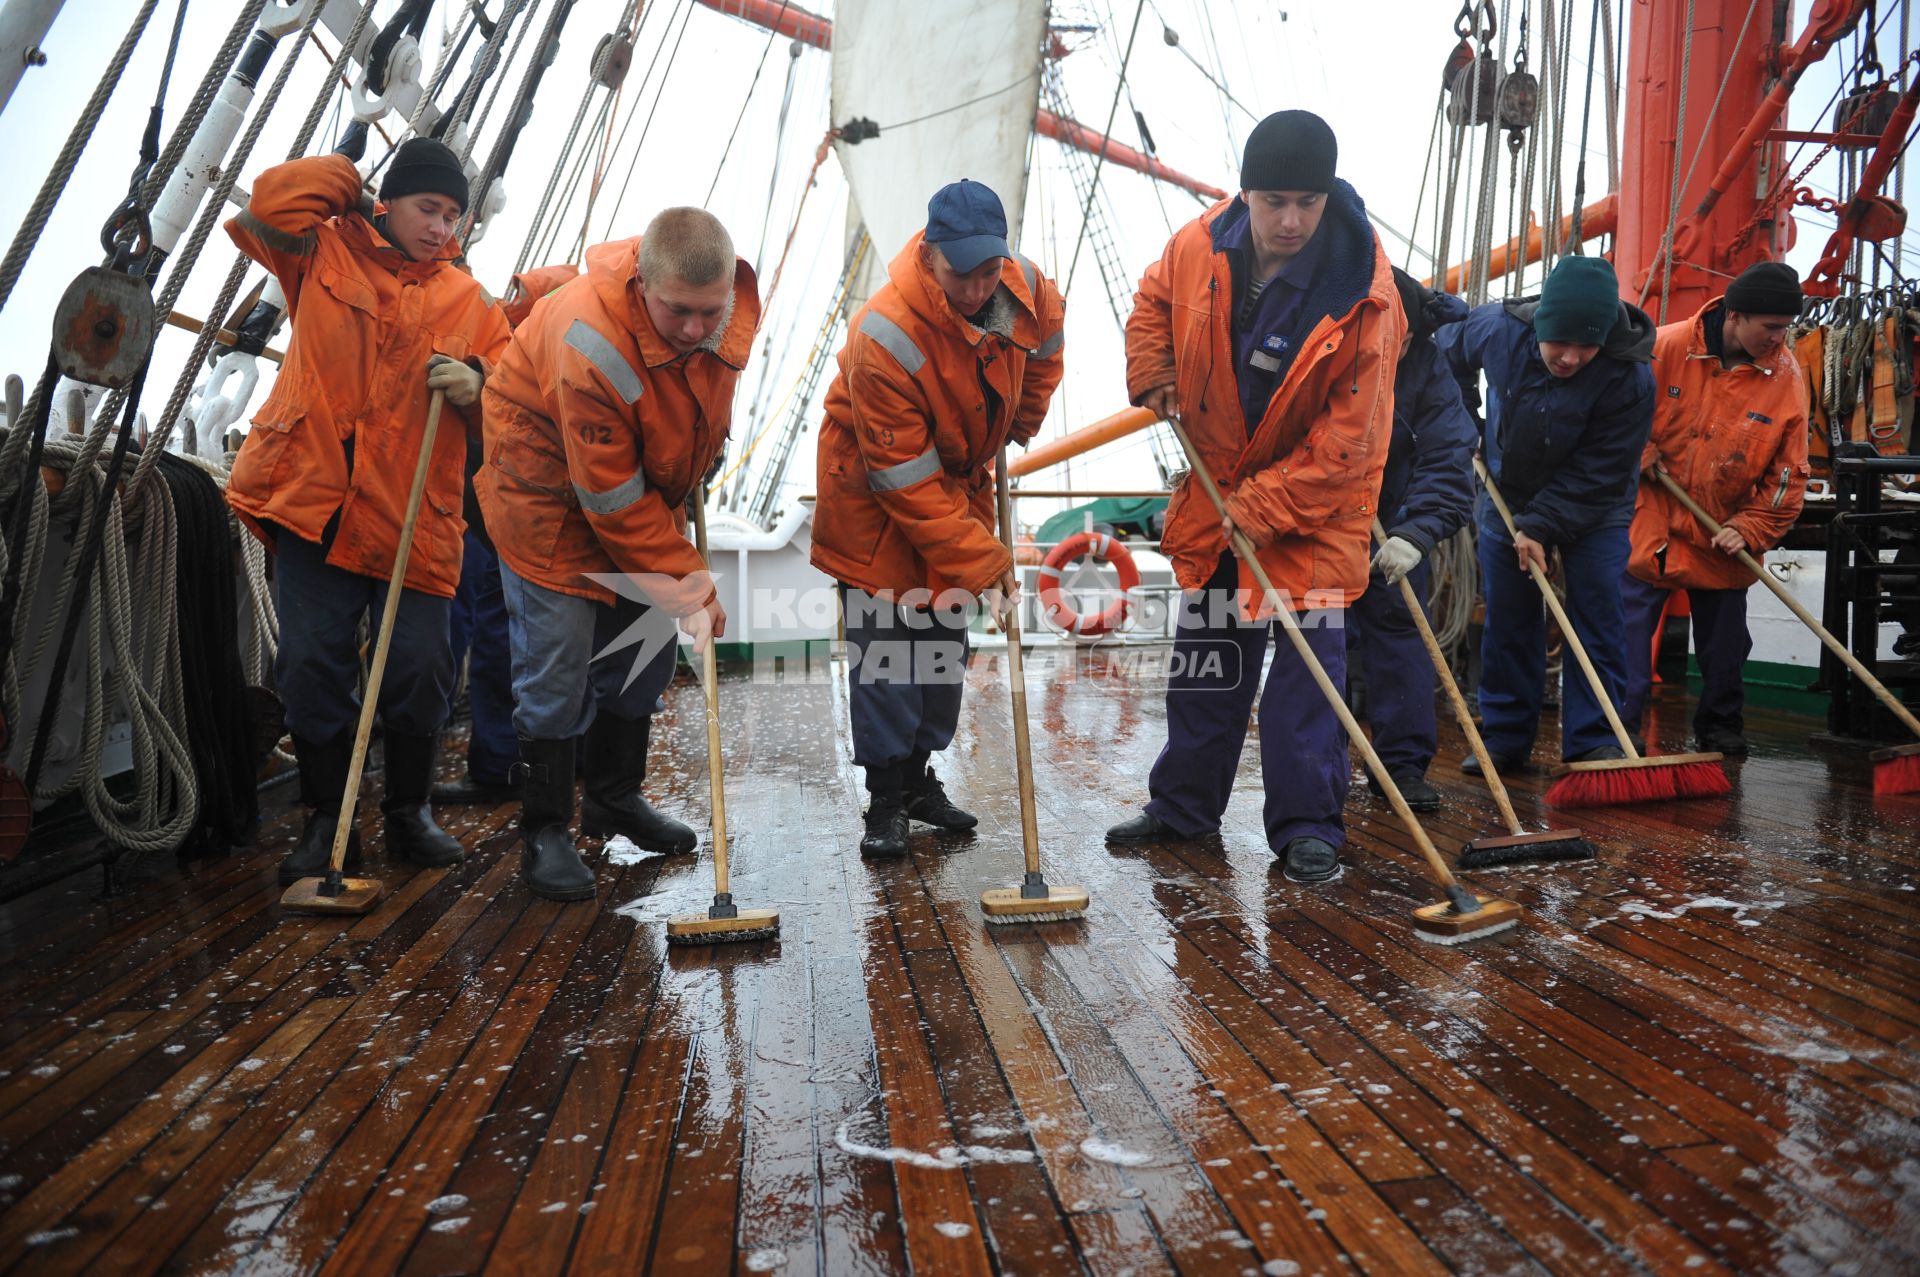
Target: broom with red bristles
[(1895, 770), (1613, 782)]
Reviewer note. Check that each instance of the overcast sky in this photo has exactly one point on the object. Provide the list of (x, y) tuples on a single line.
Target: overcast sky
[(1372, 69)]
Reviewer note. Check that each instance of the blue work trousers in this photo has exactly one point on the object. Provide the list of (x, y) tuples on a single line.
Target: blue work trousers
[(1721, 644), (573, 655), (906, 672), (479, 627), (1400, 677)]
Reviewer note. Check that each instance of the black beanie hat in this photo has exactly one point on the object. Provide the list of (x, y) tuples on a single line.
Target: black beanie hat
[(1413, 300), (1765, 288), (424, 165), (1289, 151)]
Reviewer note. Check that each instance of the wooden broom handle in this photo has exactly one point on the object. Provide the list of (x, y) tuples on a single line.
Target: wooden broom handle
[(1244, 548), (1022, 746), (1560, 616), (1780, 591), (370, 701), (1460, 711), (710, 678)]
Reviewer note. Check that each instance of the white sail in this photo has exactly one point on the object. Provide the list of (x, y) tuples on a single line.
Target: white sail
[(895, 63)]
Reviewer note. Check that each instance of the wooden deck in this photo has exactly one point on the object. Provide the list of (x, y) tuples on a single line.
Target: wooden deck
[(1699, 1055)]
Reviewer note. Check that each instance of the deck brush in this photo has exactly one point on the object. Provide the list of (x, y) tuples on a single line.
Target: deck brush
[(335, 892), (1516, 846), (1611, 782), (724, 922), (1033, 900), (1463, 915), (1895, 770)]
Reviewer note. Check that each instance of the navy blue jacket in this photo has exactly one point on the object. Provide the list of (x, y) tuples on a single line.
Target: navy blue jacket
[(1565, 451), (1426, 494)]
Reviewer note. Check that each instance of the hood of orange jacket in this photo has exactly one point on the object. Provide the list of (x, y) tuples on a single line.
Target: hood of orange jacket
[(598, 430), (1735, 439), (340, 432), (924, 400), (1303, 480), (529, 286)]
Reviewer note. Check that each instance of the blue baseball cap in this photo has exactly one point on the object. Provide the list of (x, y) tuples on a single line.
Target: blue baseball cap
[(965, 218)]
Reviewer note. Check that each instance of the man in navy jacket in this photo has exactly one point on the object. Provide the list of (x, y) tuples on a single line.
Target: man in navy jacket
[(1568, 410), (1426, 495)]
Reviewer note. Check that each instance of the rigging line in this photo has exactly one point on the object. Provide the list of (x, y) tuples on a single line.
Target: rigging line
[(211, 215), (540, 221), (483, 70), (666, 73), (1426, 170), (554, 224), (961, 106), (1093, 186), (1586, 121), (1900, 166), (63, 164), (1172, 37), (1673, 210), (773, 29), (779, 154), (1213, 51), (500, 81), (1613, 94), (599, 176), (835, 310), (1713, 112), (203, 96)]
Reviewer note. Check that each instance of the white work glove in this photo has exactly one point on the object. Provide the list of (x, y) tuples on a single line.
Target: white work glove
[(1396, 558), (462, 382)]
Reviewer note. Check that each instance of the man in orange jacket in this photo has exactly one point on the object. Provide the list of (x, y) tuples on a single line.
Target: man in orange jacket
[(959, 352), (1730, 427), (602, 419), (1272, 326), (381, 317)]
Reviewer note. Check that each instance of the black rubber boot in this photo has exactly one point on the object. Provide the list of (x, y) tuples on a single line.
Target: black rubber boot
[(616, 762), (412, 835), (886, 816), (470, 792), (1413, 787), (323, 782), (927, 800), (553, 865)]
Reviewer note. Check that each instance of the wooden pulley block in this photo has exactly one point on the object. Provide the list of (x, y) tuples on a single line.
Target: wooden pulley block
[(103, 328), (1519, 100)]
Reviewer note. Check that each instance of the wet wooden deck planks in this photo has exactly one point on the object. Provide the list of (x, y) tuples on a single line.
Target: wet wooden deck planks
[(1699, 1054)]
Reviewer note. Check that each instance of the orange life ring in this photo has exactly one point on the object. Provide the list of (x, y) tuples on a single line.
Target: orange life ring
[(1102, 549)]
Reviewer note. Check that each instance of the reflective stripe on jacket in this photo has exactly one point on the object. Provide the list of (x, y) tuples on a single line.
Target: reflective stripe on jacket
[(922, 404), (597, 430)]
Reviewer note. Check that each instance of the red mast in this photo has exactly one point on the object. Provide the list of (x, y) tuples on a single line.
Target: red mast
[(1721, 227)]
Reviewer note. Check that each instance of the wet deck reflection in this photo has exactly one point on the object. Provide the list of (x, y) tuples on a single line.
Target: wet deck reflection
[(1697, 1055)]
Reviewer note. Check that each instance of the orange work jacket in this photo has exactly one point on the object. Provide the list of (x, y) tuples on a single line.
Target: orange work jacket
[(1736, 440), (365, 320), (923, 402), (597, 430), (1302, 484), (529, 286)]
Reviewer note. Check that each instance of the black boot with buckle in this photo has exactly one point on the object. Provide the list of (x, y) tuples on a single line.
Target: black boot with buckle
[(616, 763), (553, 865)]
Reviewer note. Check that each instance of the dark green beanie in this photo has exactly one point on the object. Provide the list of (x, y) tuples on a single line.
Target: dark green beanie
[(1580, 302)]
